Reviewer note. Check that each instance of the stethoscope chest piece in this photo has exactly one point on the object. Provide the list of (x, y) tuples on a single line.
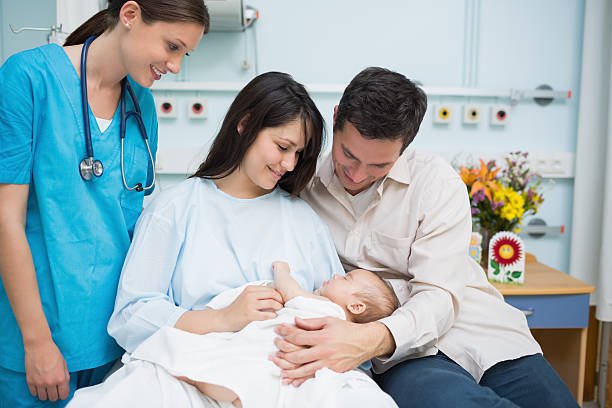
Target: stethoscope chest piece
[(90, 167)]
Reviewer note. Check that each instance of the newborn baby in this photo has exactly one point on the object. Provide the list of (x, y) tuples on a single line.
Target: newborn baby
[(363, 296)]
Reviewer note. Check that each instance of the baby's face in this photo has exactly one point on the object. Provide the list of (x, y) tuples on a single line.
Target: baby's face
[(341, 289)]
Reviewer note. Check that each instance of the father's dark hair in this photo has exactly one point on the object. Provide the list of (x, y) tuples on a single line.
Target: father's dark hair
[(382, 104)]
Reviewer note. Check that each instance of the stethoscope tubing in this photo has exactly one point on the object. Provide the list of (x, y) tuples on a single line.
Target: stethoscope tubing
[(89, 166), (84, 104)]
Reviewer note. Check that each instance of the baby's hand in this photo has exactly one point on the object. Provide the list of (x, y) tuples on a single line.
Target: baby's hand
[(284, 282), (280, 268)]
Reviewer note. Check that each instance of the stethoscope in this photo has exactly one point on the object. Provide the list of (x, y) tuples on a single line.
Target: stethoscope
[(89, 166)]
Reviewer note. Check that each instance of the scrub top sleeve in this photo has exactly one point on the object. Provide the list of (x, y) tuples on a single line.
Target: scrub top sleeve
[(16, 122), (143, 303)]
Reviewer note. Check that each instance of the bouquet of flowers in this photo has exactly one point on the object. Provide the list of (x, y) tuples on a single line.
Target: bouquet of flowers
[(502, 197)]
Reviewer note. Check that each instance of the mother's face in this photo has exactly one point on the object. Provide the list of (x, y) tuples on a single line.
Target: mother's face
[(275, 151)]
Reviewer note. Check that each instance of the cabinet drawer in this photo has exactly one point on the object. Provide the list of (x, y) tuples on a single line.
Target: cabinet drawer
[(553, 311)]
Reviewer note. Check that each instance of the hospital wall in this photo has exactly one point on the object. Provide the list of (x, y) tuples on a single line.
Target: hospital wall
[(519, 44)]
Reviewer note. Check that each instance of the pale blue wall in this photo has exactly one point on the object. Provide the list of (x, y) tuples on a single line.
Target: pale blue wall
[(20, 13), (522, 44)]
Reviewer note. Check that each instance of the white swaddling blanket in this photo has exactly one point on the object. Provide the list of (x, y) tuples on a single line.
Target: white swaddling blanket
[(238, 361)]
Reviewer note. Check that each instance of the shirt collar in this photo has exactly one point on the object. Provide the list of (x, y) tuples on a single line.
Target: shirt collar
[(400, 171), (326, 170)]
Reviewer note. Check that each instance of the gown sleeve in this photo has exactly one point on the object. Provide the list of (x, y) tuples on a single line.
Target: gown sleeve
[(144, 303)]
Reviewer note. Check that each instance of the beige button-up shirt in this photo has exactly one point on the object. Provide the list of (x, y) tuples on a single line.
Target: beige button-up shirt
[(415, 233)]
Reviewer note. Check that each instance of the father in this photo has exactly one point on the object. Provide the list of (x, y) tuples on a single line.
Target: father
[(406, 216)]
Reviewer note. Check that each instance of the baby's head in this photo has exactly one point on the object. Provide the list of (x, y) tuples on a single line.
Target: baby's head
[(362, 294)]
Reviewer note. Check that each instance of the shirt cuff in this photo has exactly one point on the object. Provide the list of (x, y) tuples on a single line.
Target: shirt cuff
[(407, 342), (401, 330)]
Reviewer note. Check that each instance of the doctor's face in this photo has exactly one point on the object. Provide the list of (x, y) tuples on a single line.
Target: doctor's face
[(152, 50), (359, 162)]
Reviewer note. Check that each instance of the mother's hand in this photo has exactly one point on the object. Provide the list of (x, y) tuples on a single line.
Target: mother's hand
[(254, 303)]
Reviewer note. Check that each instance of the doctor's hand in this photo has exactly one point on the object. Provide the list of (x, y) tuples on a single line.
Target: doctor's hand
[(327, 342), (46, 372), (254, 303)]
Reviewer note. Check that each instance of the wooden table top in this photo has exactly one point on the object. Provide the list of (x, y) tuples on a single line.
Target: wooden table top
[(544, 280)]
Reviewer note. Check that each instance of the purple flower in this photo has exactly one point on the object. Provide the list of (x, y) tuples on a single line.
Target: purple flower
[(478, 197), (495, 205), (475, 211)]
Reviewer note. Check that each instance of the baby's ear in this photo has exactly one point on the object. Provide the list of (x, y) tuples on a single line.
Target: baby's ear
[(356, 307)]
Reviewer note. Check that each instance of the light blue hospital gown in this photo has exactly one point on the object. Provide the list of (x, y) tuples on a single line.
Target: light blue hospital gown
[(79, 232), (194, 241)]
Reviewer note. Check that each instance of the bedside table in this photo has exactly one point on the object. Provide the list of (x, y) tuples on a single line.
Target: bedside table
[(557, 310)]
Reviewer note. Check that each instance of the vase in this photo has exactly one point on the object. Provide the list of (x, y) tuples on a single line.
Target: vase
[(486, 238)]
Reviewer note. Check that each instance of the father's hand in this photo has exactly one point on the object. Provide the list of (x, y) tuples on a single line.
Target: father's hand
[(327, 342)]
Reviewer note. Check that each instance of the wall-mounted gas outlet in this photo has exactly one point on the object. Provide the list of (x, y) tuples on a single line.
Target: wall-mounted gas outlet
[(197, 108), (442, 114), (471, 114), (500, 115), (166, 107)]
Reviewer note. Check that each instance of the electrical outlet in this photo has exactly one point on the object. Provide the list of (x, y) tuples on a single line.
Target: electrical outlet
[(442, 114), (500, 115), (552, 165), (166, 107), (197, 108), (471, 114)]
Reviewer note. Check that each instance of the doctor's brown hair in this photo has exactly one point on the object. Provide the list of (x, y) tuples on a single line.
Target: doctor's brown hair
[(169, 11), (269, 100)]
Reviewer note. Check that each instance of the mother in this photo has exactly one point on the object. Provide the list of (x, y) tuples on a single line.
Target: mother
[(224, 226)]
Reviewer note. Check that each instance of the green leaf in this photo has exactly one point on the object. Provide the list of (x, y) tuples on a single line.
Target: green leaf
[(517, 274), (495, 267)]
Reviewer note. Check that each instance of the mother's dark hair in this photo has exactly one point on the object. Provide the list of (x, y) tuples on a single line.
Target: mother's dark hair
[(169, 11), (269, 100)]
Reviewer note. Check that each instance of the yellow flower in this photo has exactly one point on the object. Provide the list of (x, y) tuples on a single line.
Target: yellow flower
[(514, 203), (517, 200)]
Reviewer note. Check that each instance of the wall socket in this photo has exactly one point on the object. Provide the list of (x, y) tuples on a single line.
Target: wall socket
[(197, 108), (500, 115), (166, 107), (471, 114), (442, 114)]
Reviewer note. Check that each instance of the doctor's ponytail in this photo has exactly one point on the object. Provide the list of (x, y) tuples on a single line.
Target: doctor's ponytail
[(169, 11), (96, 25)]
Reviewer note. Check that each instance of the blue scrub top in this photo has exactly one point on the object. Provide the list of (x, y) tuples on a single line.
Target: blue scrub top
[(78, 231)]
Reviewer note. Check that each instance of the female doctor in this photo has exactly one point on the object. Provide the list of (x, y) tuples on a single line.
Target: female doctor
[(78, 133)]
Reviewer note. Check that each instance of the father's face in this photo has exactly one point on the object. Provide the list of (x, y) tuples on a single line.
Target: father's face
[(359, 162)]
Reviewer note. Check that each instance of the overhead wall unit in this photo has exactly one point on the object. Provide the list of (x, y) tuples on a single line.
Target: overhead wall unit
[(227, 15)]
